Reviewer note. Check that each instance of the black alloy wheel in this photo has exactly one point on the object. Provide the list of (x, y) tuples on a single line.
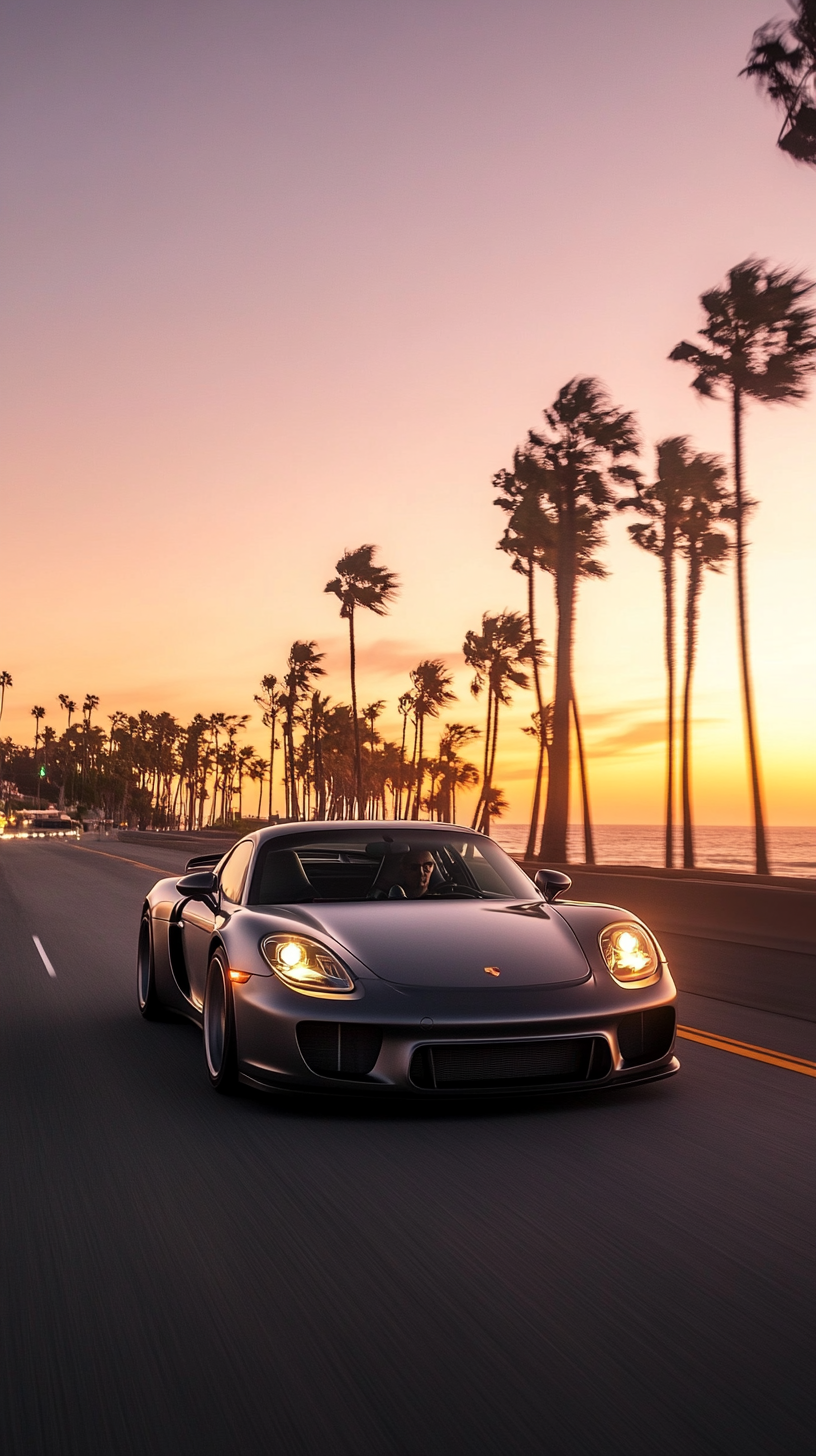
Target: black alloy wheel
[(148, 997), (220, 1050)]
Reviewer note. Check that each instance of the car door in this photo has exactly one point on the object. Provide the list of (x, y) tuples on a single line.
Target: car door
[(200, 920)]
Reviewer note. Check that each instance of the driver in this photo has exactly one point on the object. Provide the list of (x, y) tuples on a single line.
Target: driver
[(411, 871)]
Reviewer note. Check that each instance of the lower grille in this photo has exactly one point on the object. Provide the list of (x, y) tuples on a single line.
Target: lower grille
[(511, 1064), (646, 1036), (339, 1049)]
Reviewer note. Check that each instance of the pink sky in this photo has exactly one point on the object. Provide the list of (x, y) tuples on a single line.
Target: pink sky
[(282, 278)]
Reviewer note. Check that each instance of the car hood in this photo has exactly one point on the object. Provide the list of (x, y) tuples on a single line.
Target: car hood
[(449, 944)]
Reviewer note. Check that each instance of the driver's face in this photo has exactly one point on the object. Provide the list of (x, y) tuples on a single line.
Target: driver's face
[(416, 873)]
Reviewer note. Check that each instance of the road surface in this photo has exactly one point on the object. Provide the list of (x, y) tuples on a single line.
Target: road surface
[(625, 1273)]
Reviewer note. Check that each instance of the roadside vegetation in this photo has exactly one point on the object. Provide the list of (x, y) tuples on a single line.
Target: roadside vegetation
[(325, 758)]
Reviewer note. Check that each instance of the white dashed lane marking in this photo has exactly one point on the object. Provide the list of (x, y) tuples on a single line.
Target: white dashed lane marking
[(43, 957)]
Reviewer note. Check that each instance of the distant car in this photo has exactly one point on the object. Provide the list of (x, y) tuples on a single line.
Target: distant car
[(402, 957), (41, 824)]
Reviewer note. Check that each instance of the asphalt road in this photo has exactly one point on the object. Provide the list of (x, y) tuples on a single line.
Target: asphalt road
[(625, 1273)]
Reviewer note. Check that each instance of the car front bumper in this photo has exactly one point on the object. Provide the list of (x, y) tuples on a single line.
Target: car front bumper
[(443, 1044)]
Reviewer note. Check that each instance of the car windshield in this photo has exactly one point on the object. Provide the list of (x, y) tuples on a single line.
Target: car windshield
[(384, 865)]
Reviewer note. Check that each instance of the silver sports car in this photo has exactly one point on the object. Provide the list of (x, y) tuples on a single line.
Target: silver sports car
[(402, 957)]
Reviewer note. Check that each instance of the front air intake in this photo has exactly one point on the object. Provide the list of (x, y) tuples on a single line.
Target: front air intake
[(338, 1048), (646, 1036), (470, 1065)]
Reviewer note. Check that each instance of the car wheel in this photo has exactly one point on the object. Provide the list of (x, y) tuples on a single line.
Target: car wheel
[(220, 1050), (149, 1003)]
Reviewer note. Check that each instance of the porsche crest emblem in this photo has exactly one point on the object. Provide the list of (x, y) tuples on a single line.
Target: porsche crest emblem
[(492, 971)]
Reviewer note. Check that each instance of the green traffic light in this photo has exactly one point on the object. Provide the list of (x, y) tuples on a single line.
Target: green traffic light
[(42, 770)]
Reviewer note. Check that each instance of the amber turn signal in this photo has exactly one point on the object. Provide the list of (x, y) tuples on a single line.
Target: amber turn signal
[(239, 976)]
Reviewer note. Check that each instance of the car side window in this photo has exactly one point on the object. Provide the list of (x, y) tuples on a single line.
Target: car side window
[(234, 872)]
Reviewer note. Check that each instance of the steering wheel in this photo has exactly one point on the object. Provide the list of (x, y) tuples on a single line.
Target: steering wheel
[(451, 889)]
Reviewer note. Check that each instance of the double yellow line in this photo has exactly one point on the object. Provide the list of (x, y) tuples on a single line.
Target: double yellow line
[(745, 1049)]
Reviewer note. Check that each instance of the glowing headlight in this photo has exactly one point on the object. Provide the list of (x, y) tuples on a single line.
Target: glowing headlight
[(628, 952), (304, 965)]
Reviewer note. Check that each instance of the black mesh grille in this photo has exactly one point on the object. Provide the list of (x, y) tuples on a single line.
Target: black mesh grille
[(339, 1049), (646, 1036), (507, 1064)]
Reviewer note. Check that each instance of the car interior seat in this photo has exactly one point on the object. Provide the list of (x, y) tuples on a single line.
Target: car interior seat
[(284, 880)]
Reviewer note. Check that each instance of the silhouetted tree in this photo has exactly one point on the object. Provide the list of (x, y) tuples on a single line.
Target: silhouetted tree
[(663, 503), (530, 540), (360, 583), (271, 702), (303, 666), (431, 691), (705, 547), (496, 654), (574, 465), (782, 59), (758, 342)]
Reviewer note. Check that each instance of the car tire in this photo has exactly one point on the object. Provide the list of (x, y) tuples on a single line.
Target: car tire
[(146, 993), (220, 1049)]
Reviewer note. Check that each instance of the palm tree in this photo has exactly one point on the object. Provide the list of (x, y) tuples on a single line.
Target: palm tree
[(303, 666), (495, 806), (705, 548), (69, 705), (270, 699), (431, 683), (496, 654), (574, 464), (663, 503), (759, 342), (455, 773), (369, 716), (529, 539), (782, 59), (217, 721), (90, 704), (37, 714), (405, 705), (5, 682), (360, 583), (257, 772)]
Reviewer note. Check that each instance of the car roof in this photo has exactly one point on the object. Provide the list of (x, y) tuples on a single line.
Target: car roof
[(317, 827)]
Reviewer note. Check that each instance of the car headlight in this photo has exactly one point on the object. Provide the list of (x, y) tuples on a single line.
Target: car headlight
[(304, 965), (628, 951)]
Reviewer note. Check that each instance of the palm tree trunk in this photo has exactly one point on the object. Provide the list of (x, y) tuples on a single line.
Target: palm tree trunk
[(693, 591), (536, 809), (412, 786), (398, 804), (271, 767), (486, 762), (556, 814), (496, 706), (358, 764), (668, 585), (742, 612), (420, 769), (589, 846)]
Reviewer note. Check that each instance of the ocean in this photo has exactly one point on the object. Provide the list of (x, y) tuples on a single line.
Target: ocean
[(791, 851)]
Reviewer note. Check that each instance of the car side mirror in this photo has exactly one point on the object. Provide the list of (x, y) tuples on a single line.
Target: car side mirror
[(551, 883), (200, 886)]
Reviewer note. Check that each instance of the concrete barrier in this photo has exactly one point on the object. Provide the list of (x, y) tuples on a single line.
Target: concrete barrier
[(748, 941)]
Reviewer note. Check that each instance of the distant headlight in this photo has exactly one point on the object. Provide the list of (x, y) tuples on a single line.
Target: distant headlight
[(304, 965), (629, 952)]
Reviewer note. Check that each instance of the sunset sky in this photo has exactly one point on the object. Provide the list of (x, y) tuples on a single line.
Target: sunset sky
[(280, 277)]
